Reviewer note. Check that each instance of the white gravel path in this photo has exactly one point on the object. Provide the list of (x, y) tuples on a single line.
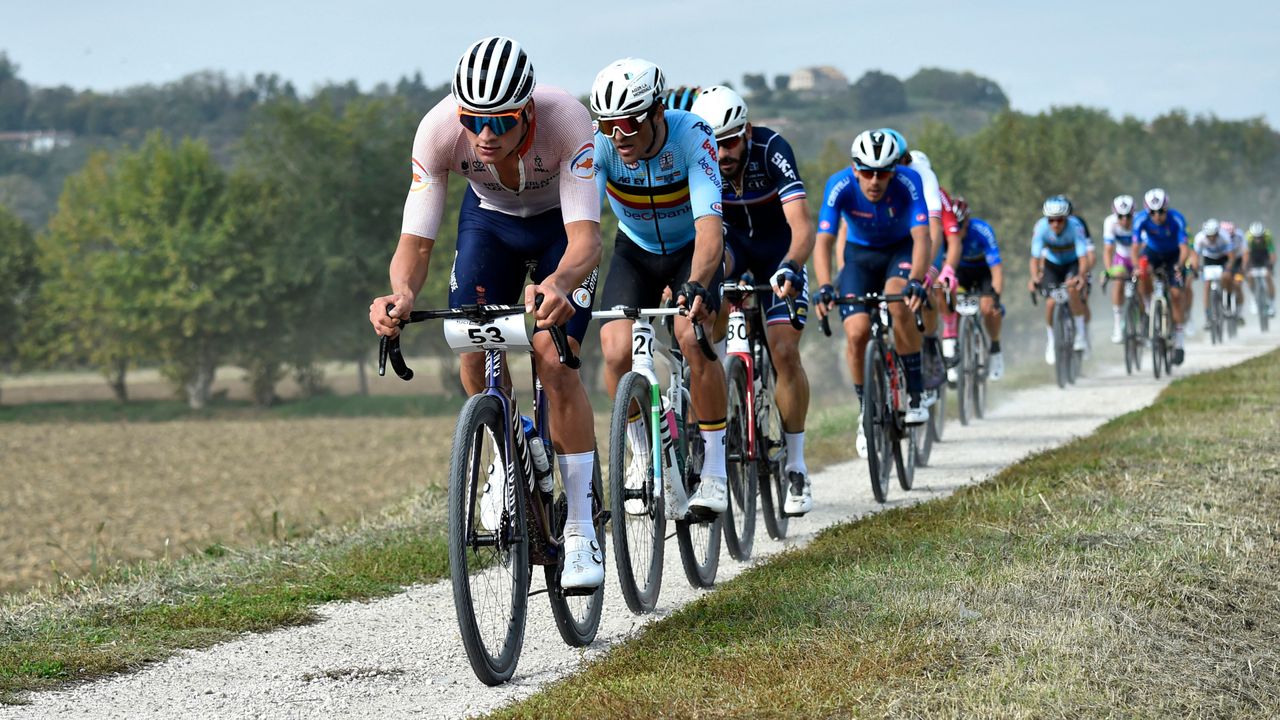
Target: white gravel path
[(401, 657)]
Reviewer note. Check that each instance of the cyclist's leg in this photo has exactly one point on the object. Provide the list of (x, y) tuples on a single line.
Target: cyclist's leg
[(907, 338), (792, 394), (1054, 274), (1078, 309), (634, 279), (486, 270)]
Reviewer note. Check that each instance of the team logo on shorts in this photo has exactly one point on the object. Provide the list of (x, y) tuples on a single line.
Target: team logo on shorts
[(582, 298), (583, 165)]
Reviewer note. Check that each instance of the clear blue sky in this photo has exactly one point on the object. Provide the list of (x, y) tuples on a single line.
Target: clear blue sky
[(1127, 57)]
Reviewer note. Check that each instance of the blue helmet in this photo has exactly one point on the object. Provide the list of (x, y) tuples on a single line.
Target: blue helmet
[(681, 98), (897, 137)]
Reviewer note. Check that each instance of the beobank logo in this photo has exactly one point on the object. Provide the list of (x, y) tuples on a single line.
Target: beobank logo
[(652, 215)]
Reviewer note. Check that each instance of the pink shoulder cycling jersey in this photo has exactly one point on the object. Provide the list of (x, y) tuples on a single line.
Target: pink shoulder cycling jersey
[(556, 167)]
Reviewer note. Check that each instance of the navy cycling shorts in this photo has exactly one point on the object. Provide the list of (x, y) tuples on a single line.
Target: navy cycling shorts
[(762, 261), (866, 269), (1168, 261), (495, 251)]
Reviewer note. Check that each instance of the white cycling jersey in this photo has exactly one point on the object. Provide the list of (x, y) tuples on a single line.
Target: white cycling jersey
[(932, 190), (1215, 247), (1120, 238), (556, 165)]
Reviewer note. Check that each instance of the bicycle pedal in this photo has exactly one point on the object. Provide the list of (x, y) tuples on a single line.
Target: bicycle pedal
[(579, 592), (701, 515)]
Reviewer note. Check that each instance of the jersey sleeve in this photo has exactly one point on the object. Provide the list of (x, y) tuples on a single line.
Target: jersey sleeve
[(1109, 230), (829, 212), (579, 195), (950, 225), (432, 148), (705, 186), (782, 167), (1181, 223), (1037, 237), (993, 249), (932, 194)]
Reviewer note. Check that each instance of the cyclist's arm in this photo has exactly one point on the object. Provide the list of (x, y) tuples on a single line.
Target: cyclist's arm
[(997, 278), (802, 240), (705, 188), (831, 230), (841, 237), (409, 265), (822, 257), (782, 169), (708, 248), (920, 251)]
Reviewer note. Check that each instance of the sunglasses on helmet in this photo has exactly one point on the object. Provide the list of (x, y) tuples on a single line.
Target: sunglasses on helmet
[(499, 123)]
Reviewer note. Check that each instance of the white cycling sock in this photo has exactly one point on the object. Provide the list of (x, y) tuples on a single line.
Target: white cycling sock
[(1079, 324), (713, 448), (1118, 312), (1048, 333), (1178, 336), (795, 453), (576, 469)]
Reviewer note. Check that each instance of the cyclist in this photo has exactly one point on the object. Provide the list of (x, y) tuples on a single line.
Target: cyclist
[(1235, 268), (530, 198), (1117, 256), (1215, 247), (1162, 232), (888, 249), (1261, 253), (981, 271), (660, 171), (1091, 260), (769, 234), (1059, 253)]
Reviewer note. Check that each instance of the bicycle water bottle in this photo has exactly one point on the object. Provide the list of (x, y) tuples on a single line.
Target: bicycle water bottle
[(541, 465)]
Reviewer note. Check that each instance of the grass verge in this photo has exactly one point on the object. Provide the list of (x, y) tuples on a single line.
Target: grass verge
[(1130, 573)]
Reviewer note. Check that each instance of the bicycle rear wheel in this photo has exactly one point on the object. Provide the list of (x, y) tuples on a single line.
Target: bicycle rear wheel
[(1062, 341), (1263, 302), (964, 404), (1158, 351), (698, 538), (877, 414), (488, 552), (772, 455), (938, 417), (577, 616), (981, 354), (740, 515), (638, 522)]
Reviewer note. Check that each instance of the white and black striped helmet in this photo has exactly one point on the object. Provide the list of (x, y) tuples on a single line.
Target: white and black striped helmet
[(723, 109), (875, 150), (494, 75), (626, 87)]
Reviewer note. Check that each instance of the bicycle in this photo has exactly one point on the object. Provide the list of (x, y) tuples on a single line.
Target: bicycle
[(929, 433), (884, 395), (1258, 287), (505, 514), (1216, 310), (650, 485), (1066, 357), (1133, 316), (755, 439), (973, 346), (1161, 325)]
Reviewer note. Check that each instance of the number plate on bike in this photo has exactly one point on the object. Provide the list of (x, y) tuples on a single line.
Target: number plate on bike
[(1060, 294), (967, 306), (505, 332), (737, 334), (1211, 273)]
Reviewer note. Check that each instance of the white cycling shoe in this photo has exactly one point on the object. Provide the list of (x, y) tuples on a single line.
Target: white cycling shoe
[(799, 494), (917, 414), (712, 495), (995, 368), (1117, 335), (1081, 343), (928, 398), (583, 563), (1049, 355), (861, 443)]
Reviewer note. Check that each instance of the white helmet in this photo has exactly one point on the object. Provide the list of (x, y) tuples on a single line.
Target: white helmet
[(1210, 227), (875, 150), (919, 158), (1056, 207), (626, 87), (723, 109), (1228, 228), (1123, 204), (494, 75), (1257, 229), (1156, 199)]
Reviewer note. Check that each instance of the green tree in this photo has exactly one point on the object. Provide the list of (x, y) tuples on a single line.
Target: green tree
[(18, 283), (953, 87), (877, 93)]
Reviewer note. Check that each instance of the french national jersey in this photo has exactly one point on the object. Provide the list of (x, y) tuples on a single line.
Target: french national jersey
[(769, 181), (1216, 246)]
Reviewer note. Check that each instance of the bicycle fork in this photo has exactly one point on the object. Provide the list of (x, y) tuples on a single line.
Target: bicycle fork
[(664, 421), (739, 345)]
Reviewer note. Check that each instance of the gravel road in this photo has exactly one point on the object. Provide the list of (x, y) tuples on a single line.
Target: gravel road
[(401, 657)]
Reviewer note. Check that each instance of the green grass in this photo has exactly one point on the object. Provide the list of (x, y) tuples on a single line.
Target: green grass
[(1129, 573), (222, 409)]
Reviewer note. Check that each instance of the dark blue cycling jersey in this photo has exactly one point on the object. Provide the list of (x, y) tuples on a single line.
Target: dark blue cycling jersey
[(979, 245), (879, 224), (770, 180), (1161, 238)]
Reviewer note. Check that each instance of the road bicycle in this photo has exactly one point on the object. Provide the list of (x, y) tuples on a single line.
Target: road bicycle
[(973, 350), (1161, 324), (1067, 359), (755, 440), (655, 464), (1133, 315), (884, 395), (1262, 301), (507, 505), (1221, 302)]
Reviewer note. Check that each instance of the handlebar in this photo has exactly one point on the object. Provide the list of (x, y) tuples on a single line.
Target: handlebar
[(740, 290), (626, 312), (870, 299)]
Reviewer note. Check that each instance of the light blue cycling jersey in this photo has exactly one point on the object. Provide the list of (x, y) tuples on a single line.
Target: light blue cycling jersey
[(1060, 249), (1160, 239), (657, 200)]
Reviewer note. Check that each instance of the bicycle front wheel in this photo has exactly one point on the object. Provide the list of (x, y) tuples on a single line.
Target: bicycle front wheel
[(698, 537), (1062, 342), (771, 447), (740, 516), (877, 416), (577, 616), (981, 350), (964, 404), (637, 520), (488, 550), (1158, 349)]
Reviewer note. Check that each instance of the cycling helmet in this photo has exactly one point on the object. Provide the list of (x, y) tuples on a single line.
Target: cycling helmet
[(1123, 204), (626, 87), (1071, 207), (681, 98), (1228, 228), (1210, 227), (1156, 199), (960, 207), (723, 109), (494, 75), (875, 150), (919, 159), (898, 138), (1257, 229), (1056, 207)]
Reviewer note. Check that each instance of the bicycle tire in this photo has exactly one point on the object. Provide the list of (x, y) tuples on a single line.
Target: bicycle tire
[(938, 417), (1060, 368), (982, 349), (638, 529), (739, 521), (1215, 316), (904, 461), (876, 409), (964, 377), (924, 433), (772, 462), (1158, 351), (698, 538), (491, 623), (1263, 303), (577, 616)]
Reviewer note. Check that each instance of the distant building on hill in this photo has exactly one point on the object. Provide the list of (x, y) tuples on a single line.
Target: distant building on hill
[(36, 141), (818, 80)]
